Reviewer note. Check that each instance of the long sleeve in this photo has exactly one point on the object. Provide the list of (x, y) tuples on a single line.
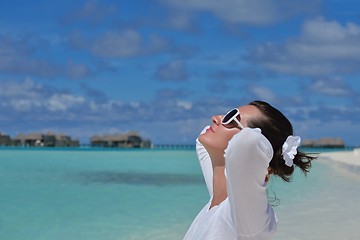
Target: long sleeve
[(205, 163), (247, 158)]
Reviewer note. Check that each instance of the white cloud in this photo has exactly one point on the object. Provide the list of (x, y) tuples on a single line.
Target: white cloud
[(21, 56), (263, 93), (184, 104), (24, 105), (323, 48), (77, 71), (135, 104), (28, 96), (128, 43), (17, 59), (174, 70), (327, 40), (319, 30), (181, 20), (156, 44), (26, 89), (118, 44), (62, 102), (255, 12), (331, 86), (92, 11)]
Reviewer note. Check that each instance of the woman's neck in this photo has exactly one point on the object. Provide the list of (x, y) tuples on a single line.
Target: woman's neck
[(219, 179)]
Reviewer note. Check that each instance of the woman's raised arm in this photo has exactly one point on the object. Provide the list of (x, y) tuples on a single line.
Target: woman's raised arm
[(247, 159)]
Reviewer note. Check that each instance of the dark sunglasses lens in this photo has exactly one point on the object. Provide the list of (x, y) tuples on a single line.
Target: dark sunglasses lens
[(229, 115), (232, 124)]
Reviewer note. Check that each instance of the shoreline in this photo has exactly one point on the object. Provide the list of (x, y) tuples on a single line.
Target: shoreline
[(348, 160)]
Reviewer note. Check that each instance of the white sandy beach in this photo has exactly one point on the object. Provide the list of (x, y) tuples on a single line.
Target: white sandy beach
[(349, 160)]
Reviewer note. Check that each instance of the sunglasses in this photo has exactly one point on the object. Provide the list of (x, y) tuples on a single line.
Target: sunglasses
[(232, 119)]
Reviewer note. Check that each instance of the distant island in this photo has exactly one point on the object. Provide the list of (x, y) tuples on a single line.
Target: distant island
[(130, 139), (324, 143), (125, 140)]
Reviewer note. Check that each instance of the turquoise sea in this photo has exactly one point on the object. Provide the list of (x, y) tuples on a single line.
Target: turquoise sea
[(93, 194)]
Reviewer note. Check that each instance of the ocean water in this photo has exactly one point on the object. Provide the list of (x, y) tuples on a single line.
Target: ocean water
[(88, 194)]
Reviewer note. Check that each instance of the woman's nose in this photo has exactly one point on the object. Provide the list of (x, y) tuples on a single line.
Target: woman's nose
[(216, 119)]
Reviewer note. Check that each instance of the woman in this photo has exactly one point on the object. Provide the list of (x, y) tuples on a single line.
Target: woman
[(238, 153)]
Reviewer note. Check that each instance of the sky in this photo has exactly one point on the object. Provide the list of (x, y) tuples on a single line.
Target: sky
[(164, 67)]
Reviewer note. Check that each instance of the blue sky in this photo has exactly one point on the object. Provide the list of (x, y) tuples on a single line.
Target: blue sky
[(164, 67)]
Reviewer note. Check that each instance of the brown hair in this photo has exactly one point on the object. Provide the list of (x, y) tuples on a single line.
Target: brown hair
[(276, 128)]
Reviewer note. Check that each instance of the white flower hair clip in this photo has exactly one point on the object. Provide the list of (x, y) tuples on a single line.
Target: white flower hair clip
[(289, 149)]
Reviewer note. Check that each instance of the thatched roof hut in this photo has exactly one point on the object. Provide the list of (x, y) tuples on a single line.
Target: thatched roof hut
[(324, 142), (45, 140), (5, 140), (126, 140)]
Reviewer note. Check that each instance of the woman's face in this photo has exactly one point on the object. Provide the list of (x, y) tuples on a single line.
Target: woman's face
[(216, 137)]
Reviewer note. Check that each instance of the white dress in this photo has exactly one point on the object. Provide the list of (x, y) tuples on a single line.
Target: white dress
[(245, 213)]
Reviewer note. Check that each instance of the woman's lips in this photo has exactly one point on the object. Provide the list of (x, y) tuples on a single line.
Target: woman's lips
[(211, 129)]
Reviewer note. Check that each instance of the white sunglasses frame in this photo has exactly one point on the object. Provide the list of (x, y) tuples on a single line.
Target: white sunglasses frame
[(233, 118)]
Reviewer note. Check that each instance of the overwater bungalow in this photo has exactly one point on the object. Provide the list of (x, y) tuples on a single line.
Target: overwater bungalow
[(5, 140), (45, 140), (324, 143), (29, 140), (127, 140)]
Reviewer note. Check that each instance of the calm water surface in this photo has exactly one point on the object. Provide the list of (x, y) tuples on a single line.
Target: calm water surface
[(151, 194)]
